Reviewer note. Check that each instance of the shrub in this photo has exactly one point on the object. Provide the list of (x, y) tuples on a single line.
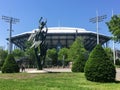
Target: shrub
[(76, 48), (10, 65), (1, 63), (99, 67), (79, 63), (3, 55), (117, 62), (52, 54)]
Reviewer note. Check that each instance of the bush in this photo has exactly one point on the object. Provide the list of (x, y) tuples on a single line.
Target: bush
[(117, 62), (3, 55), (10, 65), (99, 67), (1, 64), (52, 54), (79, 64)]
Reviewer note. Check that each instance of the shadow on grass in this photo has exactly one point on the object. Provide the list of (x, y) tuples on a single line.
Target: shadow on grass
[(53, 72), (117, 81)]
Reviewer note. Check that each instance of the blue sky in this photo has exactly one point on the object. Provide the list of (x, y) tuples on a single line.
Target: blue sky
[(68, 13)]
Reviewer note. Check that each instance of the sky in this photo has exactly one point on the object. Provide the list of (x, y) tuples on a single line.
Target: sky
[(64, 13)]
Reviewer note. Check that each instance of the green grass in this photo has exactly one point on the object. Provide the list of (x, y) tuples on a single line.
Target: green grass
[(52, 81)]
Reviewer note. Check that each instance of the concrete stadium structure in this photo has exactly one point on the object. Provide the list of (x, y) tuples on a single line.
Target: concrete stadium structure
[(59, 37)]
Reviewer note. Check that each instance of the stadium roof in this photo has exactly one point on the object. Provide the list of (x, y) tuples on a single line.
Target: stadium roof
[(63, 36), (60, 30)]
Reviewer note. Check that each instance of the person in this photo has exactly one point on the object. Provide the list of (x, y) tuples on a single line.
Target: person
[(22, 68)]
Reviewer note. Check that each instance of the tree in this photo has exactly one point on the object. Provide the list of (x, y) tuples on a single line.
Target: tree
[(18, 53), (63, 52), (78, 55), (109, 53), (30, 54), (3, 55), (117, 62), (10, 65), (63, 55), (52, 54), (99, 67), (79, 64), (114, 26), (76, 48)]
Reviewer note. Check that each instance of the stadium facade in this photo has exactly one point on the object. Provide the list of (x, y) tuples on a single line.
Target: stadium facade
[(58, 37)]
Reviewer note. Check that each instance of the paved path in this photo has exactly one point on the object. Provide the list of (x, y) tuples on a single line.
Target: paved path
[(118, 74), (46, 70)]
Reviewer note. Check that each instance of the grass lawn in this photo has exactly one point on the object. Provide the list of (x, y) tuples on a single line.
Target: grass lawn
[(52, 81)]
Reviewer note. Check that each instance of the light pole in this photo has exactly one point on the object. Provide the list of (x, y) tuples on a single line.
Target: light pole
[(11, 21), (114, 51), (113, 46), (96, 20)]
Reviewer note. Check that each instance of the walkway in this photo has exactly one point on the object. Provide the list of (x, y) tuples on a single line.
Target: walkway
[(47, 70), (118, 74)]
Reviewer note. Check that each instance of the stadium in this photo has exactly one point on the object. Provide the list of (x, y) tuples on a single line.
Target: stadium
[(58, 37)]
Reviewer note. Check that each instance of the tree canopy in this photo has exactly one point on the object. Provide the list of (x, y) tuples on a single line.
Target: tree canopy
[(52, 54), (109, 53), (3, 55), (63, 52), (114, 27), (18, 53), (99, 67), (79, 64), (30, 53), (76, 48), (10, 65)]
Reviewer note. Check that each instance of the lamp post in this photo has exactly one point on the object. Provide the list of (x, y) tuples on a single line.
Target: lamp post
[(96, 20), (113, 46), (11, 21)]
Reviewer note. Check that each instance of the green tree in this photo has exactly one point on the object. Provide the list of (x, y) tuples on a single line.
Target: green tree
[(78, 55), (52, 54), (99, 67), (10, 65), (3, 55), (18, 53), (79, 64), (63, 52), (114, 26), (117, 62), (109, 53), (76, 48), (63, 55), (30, 54)]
